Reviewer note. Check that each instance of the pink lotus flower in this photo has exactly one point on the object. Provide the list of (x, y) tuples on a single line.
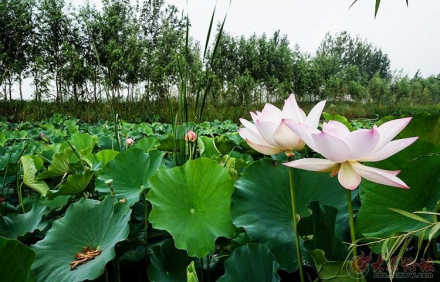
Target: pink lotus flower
[(344, 150), (269, 135), (190, 136), (129, 141)]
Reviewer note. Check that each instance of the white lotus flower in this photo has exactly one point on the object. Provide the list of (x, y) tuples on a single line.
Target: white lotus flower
[(344, 151), (269, 135)]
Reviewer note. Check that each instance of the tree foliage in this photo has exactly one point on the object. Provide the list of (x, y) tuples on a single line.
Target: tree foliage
[(133, 52)]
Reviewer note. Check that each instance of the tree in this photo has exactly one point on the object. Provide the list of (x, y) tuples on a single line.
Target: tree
[(349, 51), (378, 89), (15, 32), (53, 31)]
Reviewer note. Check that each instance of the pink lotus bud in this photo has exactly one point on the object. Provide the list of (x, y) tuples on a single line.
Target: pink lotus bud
[(42, 135), (129, 141), (190, 136)]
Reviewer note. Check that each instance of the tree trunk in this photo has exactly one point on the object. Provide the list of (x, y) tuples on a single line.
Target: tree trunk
[(6, 92), (10, 87), (20, 87)]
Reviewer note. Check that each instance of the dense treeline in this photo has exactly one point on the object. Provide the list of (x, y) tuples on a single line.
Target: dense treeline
[(75, 53)]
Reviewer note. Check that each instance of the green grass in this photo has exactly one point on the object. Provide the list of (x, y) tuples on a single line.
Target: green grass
[(18, 111)]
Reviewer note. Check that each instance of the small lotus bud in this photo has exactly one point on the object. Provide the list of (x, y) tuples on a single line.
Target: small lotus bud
[(109, 182), (42, 135), (190, 136), (129, 141)]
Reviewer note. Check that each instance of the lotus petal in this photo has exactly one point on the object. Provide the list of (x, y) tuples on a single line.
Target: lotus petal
[(362, 142), (336, 128), (312, 164), (271, 113), (264, 149), (303, 131), (348, 177), (390, 129), (291, 110), (286, 138), (389, 149), (267, 130), (380, 176), (252, 136), (331, 147), (314, 115)]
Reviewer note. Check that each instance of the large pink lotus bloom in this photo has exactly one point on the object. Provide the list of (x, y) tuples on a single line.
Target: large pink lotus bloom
[(344, 151), (269, 135)]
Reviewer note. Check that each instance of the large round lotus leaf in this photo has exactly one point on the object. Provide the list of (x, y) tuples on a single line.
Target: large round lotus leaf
[(146, 144), (16, 261), (99, 160), (130, 171), (87, 223), (333, 271), (252, 262), (76, 183), (319, 227), (16, 225), (29, 170), (168, 264), (261, 205), (192, 203), (421, 174)]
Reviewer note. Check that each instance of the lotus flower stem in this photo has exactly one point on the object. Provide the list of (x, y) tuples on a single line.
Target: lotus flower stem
[(20, 197), (351, 221), (190, 151), (295, 224), (146, 228)]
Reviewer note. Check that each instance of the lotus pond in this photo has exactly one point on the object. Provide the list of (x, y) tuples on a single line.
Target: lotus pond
[(78, 202)]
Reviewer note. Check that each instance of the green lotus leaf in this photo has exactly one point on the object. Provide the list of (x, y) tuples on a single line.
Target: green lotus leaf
[(252, 262), (207, 147), (130, 171), (146, 144), (76, 183), (16, 225), (224, 145), (144, 128), (99, 160), (192, 203), (107, 142), (95, 130), (191, 274), (16, 261), (29, 178), (60, 165), (55, 204), (97, 225), (375, 219), (261, 204), (334, 271), (83, 143), (168, 264), (425, 126), (3, 139), (167, 143), (134, 135), (321, 226), (9, 161)]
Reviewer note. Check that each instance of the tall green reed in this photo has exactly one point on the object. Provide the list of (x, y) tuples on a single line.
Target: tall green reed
[(180, 122)]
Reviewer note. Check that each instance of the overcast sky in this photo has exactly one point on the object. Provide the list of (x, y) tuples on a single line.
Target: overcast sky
[(409, 35)]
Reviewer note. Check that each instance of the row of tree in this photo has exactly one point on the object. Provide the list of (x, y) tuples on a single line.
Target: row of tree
[(132, 52)]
